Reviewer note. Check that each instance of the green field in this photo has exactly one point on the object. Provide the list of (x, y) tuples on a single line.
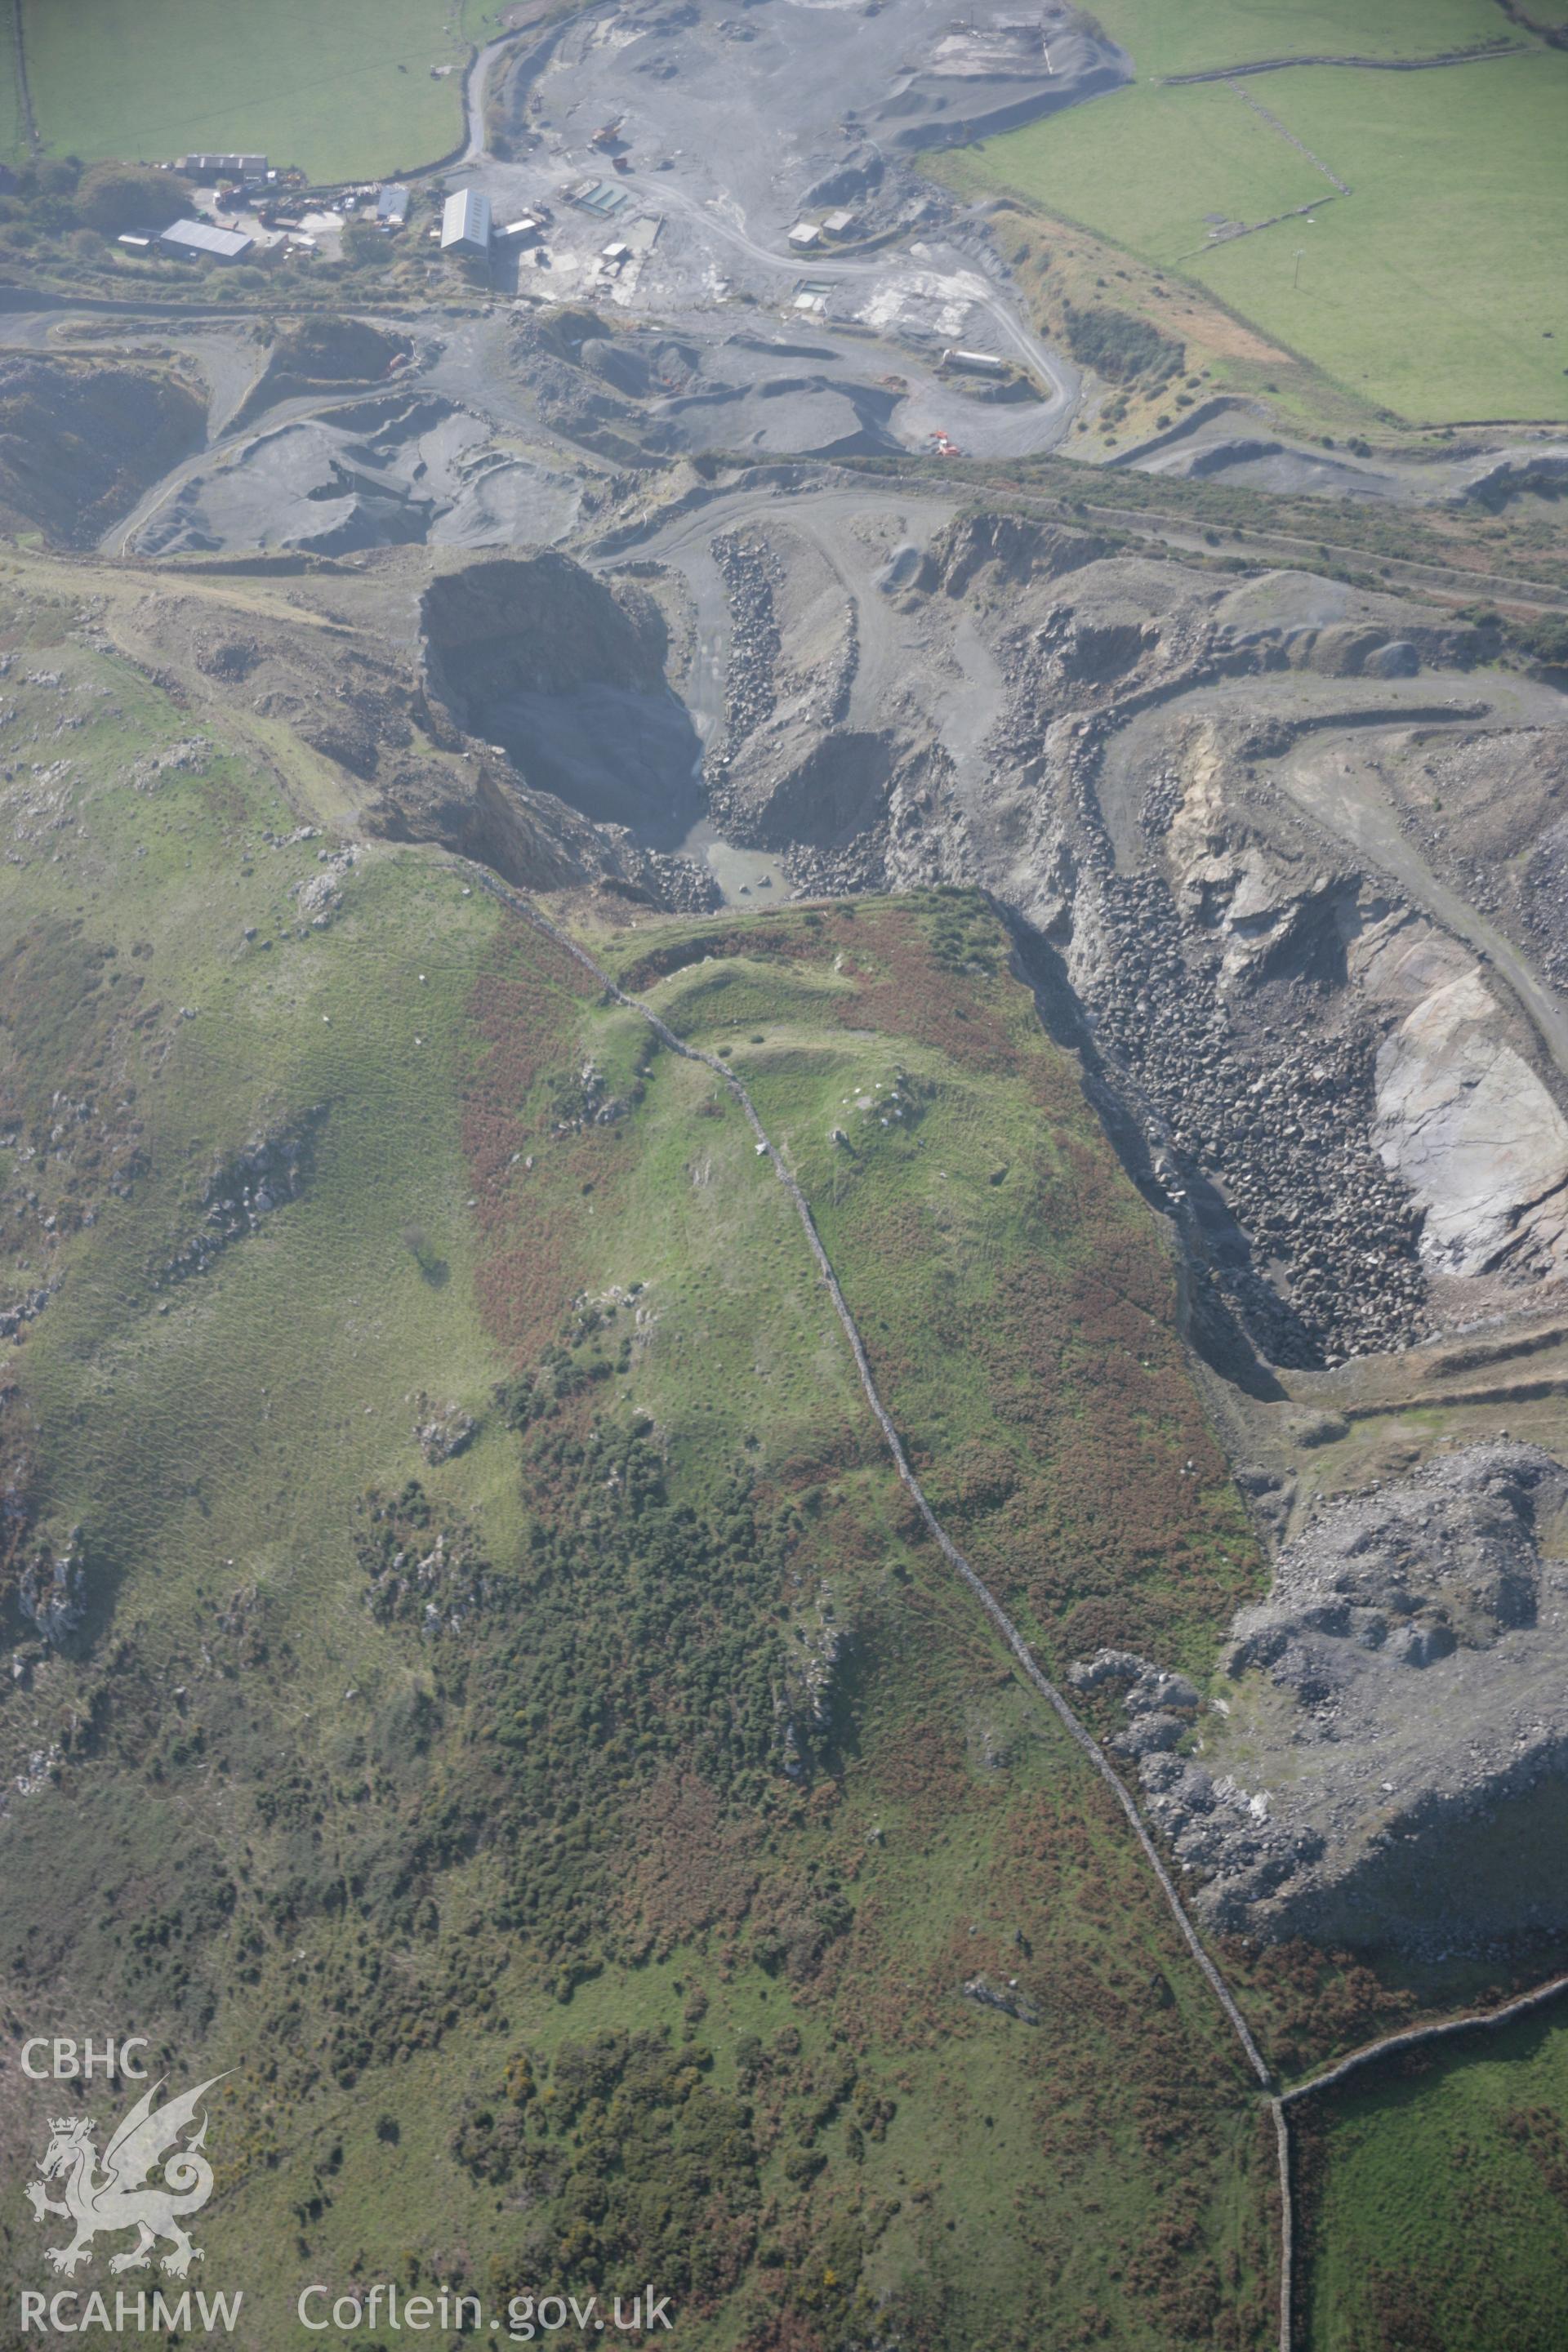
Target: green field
[(1435, 288), (1190, 37), (341, 91), (1436, 2202)]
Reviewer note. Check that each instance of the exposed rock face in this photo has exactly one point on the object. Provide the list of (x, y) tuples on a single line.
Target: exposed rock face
[(1474, 1135), (1009, 550), (1394, 1728), (540, 625), (243, 1188), (407, 762), (1340, 1102), (564, 674), (1214, 801)]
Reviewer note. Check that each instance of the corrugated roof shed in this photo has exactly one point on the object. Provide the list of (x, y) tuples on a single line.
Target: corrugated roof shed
[(466, 221), (201, 237)]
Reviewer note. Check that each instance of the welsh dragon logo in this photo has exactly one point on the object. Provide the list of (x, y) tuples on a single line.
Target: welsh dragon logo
[(114, 2193)]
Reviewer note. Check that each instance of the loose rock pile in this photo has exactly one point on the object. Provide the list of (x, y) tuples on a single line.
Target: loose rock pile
[(1403, 1719), (1284, 1135), (750, 574)]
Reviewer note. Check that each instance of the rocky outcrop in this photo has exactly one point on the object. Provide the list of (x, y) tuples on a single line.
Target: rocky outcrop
[(52, 1590), (1500, 478), (442, 1431), (1006, 2000), (243, 1189), (807, 1702), (1390, 1730)]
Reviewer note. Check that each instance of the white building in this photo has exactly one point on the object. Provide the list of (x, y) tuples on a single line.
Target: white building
[(193, 237), (465, 223)]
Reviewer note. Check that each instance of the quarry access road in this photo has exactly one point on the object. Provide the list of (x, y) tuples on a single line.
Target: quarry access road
[(825, 519), (1024, 344)]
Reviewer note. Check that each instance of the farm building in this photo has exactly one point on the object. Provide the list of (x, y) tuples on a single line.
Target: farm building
[(192, 239), (392, 206), (465, 223), (223, 167)]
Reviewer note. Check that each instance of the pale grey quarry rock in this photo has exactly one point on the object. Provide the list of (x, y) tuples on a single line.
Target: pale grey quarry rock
[(1397, 1733)]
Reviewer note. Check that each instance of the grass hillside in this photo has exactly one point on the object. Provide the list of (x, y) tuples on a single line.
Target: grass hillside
[(1465, 2151), (339, 91), (509, 1725), (475, 1684), (1428, 290)]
